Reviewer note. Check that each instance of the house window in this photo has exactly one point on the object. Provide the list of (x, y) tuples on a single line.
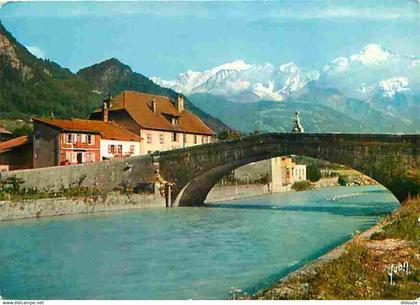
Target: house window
[(90, 139), (132, 149), (73, 138), (149, 138), (119, 149), (161, 139), (111, 149), (67, 138), (174, 137), (195, 139), (175, 121), (79, 138)]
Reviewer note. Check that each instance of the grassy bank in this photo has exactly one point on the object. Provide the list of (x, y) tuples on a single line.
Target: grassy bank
[(361, 271)]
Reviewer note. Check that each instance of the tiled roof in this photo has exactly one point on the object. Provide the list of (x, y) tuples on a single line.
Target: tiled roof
[(138, 105), (8, 145), (107, 130)]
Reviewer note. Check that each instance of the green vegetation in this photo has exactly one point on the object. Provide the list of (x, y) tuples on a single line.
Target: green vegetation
[(18, 127), (274, 116), (313, 173), (269, 116), (228, 134), (403, 224), (343, 180), (11, 190), (407, 183), (301, 186), (355, 276)]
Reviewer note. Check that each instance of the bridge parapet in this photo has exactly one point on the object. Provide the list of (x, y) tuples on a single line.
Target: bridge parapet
[(387, 158)]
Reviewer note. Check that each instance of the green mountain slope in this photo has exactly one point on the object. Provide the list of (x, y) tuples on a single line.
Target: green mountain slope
[(276, 116), (113, 76), (374, 119), (34, 87), (31, 86)]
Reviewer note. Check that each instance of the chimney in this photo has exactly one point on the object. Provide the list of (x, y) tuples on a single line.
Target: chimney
[(153, 105), (180, 103), (105, 112), (106, 106)]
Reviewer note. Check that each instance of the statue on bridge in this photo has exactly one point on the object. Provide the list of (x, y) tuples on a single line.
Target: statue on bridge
[(298, 126)]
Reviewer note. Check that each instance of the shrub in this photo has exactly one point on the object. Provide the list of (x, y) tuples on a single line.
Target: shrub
[(343, 180), (313, 173), (301, 186)]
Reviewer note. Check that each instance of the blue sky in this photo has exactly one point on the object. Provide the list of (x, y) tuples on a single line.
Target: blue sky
[(166, 38)]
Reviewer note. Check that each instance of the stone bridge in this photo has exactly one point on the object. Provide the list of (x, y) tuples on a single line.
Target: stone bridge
[(391, 159)]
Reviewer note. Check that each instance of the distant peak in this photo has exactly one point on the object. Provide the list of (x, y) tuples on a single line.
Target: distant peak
[(372, 54), (237, 64), (289, 67), (113, 61)]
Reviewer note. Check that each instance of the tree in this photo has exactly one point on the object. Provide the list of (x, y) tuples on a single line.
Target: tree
[(313, 173)]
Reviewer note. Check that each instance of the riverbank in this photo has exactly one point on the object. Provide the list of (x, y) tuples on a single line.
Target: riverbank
[(359, 268), (114, 201), (23, 208), (232, 192), (46, 207)]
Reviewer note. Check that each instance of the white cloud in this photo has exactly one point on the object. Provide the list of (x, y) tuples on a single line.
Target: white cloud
[(36, 51)]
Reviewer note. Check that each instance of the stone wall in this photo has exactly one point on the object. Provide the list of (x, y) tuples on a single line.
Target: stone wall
[(10, 210), (106, 175)]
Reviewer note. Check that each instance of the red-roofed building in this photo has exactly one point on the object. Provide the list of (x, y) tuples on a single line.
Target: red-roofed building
[(75, 141), (16, 154), (162, 123)]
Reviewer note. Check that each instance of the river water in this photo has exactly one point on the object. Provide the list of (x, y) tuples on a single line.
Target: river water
[(182, 253)]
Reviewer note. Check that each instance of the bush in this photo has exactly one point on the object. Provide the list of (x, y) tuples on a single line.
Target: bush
[(301, 186), (343, 180), (313, 173)]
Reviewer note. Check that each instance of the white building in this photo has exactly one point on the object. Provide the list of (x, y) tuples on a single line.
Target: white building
[(281, 172), (162, 124), (119, 149)]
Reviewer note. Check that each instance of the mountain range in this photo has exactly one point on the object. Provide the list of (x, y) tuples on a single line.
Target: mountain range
[(376, 86), (237, 94), (38, 87)]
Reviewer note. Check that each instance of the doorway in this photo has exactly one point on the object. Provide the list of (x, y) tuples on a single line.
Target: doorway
[(79, 157)]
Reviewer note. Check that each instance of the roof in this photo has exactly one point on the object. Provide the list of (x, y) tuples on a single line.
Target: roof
[(138, 106), (107, 130), (4, 130), (8, 145)]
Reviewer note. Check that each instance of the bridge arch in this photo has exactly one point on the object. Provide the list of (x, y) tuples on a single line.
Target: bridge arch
[(385, 158)]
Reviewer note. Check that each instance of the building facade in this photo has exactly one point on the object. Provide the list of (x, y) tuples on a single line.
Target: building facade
[(162, 124), (64, 142), (281, 173)]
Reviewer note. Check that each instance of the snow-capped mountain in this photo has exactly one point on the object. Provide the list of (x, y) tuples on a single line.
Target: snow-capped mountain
[(374, 69), (238, 79), (186, 82), (371, 74)]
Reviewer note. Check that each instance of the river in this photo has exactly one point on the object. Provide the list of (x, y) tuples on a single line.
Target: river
[(182, 253)]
